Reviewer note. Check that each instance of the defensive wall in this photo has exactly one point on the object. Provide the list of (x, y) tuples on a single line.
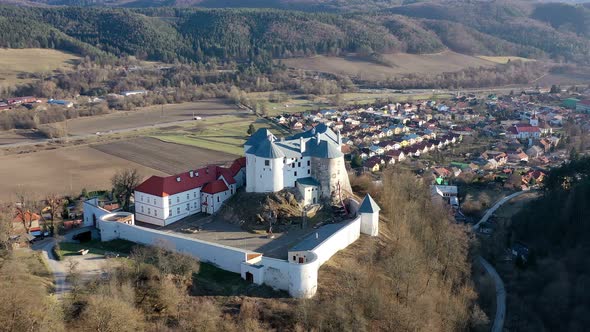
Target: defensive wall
[(298, 274)]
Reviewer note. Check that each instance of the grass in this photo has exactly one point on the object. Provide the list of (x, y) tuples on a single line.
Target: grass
[(36, 267), (225, 135), (16, 62), (212, 280), (503, 59), (96, 247)]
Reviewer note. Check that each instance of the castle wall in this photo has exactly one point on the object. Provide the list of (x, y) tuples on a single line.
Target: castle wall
[(227, 258), (330, 173)]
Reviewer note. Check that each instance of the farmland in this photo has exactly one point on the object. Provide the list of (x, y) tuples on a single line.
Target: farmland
[(148, 116), (166, 157), (65, 170), (390, 64), (16, 64), (226, 134)]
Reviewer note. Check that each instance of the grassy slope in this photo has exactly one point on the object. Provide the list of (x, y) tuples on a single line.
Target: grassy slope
[(14, 62)]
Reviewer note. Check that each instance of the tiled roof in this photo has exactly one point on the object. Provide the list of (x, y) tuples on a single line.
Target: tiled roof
[(368, 205), (215, 187), (171, 185)]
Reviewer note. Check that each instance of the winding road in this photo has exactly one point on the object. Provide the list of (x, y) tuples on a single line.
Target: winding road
[(498, 325), (56, 267)]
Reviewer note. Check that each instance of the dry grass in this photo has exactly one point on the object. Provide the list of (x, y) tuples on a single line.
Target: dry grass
[(16, 62), (392, 64)]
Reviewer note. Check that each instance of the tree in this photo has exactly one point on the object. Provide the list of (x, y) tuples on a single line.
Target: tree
[(251, 129), (55, 204), (110, 314), (124, 183), (356, 162)]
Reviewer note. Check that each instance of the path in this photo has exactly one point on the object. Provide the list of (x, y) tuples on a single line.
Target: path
[(61, 284), (498, 325)]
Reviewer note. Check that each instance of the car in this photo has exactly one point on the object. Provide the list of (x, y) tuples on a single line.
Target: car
[(197, 118)]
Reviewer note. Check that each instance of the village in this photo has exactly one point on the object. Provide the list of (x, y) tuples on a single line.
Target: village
[(468, 143)]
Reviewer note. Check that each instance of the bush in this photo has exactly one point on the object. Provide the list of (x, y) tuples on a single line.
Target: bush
[(56, 250)]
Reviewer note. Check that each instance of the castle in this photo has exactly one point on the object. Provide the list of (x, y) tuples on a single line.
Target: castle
[(311, 161)]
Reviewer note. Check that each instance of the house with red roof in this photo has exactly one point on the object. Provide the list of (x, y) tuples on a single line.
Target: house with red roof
[(164, 200), (523, 131)]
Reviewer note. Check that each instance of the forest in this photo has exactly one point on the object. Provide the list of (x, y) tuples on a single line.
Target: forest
[(260, 35), (551, 292)]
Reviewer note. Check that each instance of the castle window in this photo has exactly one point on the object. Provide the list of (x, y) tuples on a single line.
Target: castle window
[(177, 199), (170, 212), (309, 163), (295, 173), (142, 208), (188, 196), (156, 213), (178, 210), (217, 199), (293, 165), (149, 211), (267, 163), (299, 164), (308, 171)]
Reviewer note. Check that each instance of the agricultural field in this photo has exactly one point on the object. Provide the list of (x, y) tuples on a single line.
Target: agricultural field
[(149, 116), (166, 157), (62, 171), (225, 134), (16, 64), (391, 64)]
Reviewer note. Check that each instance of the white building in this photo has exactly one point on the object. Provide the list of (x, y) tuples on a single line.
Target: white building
[(272, 164), (164, 200)]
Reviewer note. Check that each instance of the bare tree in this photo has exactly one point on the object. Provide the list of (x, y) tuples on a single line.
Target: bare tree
[(55, 204), (124, 183)]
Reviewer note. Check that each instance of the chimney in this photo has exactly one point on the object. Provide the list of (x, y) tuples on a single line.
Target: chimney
[(191, 174), (301, 145)]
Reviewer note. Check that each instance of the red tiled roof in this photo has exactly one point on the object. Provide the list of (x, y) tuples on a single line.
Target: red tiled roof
[(29, 216), (215, 187), (527, 129), (585, 102), (166, 186)]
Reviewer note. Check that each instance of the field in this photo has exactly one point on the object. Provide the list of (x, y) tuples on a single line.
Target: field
[(65, 171), (503, 59), (226, 134), (16, 63), (392, 64), (149, 116), (166, 157)]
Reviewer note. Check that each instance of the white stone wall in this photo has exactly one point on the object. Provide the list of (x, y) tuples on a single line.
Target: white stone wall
[(338, 241), (227, 258), (92, 212), (276, 273), (295, 168)]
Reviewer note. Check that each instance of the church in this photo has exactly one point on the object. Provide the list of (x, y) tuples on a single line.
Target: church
[(311, 161)]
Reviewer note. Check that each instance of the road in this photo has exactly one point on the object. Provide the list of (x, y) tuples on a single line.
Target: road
[(57, 268), (498, 325)]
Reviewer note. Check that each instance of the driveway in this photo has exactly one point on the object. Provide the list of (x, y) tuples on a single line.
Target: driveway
[(56, 267)]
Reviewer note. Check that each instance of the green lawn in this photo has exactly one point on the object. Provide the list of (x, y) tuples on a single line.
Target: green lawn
[(213, 281), (97, 247)]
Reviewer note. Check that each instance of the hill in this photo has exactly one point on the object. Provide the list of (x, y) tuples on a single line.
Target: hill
[(188, 34)]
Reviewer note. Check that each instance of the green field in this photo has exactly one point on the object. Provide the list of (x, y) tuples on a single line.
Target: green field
[(96, 247), (226, 133)]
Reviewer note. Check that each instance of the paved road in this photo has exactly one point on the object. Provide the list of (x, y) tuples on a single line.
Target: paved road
[(57, 268), (498, 325)]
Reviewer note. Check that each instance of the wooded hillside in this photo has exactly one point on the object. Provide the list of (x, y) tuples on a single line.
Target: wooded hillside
[(200, 35)]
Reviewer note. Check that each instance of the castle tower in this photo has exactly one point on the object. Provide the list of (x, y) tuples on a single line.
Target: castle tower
[(369, 211)]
